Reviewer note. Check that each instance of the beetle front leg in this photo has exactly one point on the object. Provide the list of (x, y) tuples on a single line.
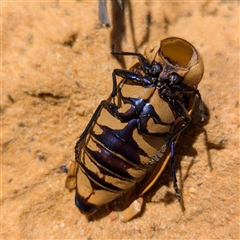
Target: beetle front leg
[(130, 76), (126, 74), (142, 60)]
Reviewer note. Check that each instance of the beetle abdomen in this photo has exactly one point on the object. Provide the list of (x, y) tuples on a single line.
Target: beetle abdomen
[(109, 162), (114, 156)]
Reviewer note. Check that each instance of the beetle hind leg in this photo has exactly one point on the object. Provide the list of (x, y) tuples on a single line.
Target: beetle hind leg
[(133, 210), (174, 178), (71, 178)]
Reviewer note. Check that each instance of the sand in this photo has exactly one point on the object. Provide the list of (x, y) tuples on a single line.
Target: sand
[(56, 68)]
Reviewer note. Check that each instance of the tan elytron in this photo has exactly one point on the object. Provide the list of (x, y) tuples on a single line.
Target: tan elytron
[(125, 147)]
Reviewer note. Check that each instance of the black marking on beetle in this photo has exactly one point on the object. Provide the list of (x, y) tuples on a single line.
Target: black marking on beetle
[(83, 204), (99, 181), (107, 162), (105, 156), (123, 163), (121, 141)]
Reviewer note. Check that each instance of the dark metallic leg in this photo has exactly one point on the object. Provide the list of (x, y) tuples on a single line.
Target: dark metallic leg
[(142, 60), (94, 117), (140, 110), (174, 178), (143, 121), (114, 90), (178, 131), (131, 76), (181, 111), (191, 90), (144, 80)]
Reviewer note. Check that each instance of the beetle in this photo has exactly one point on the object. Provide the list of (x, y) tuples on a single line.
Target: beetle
[(131, 136)]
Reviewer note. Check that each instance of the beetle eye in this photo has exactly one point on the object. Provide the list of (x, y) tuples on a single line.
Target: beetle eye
[(175, 79), (156, 68)]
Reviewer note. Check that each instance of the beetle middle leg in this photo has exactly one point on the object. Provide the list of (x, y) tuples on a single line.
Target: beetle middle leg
[(71, 178), (87, 129), (191, 90), (180, 110)]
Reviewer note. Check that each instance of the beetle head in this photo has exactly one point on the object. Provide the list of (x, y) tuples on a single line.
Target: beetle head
[(176, 56)]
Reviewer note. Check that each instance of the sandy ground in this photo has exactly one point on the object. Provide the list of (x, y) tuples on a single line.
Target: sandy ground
[(56, 68)]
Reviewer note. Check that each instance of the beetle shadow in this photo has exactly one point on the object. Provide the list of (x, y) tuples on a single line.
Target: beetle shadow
[(186, 139), (118, 31)]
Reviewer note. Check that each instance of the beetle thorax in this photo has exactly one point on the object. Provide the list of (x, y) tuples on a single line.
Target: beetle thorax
[(168, 68)]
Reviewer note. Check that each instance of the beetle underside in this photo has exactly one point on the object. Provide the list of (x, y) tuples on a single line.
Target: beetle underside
[(125, 146)]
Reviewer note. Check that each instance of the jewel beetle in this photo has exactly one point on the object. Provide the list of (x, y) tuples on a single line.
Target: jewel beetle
[(131, 136)]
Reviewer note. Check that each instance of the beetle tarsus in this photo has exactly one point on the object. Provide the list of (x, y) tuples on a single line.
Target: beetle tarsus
[(174, 178), (178, 194), (158, 155)]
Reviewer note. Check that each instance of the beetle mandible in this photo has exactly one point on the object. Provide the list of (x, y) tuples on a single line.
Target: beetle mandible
[(131, 136)]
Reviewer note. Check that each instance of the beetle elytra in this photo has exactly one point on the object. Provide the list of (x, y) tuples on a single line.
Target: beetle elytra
[(131, 136)]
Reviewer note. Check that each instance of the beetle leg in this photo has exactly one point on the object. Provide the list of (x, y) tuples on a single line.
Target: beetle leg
[(113, 110), (114, 91), (134, 209), (94, 117), (147, 113), (142, 60), (131, 76), (191, 90), (71, 177), (181, 112), (138, 107), (174, 178)]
